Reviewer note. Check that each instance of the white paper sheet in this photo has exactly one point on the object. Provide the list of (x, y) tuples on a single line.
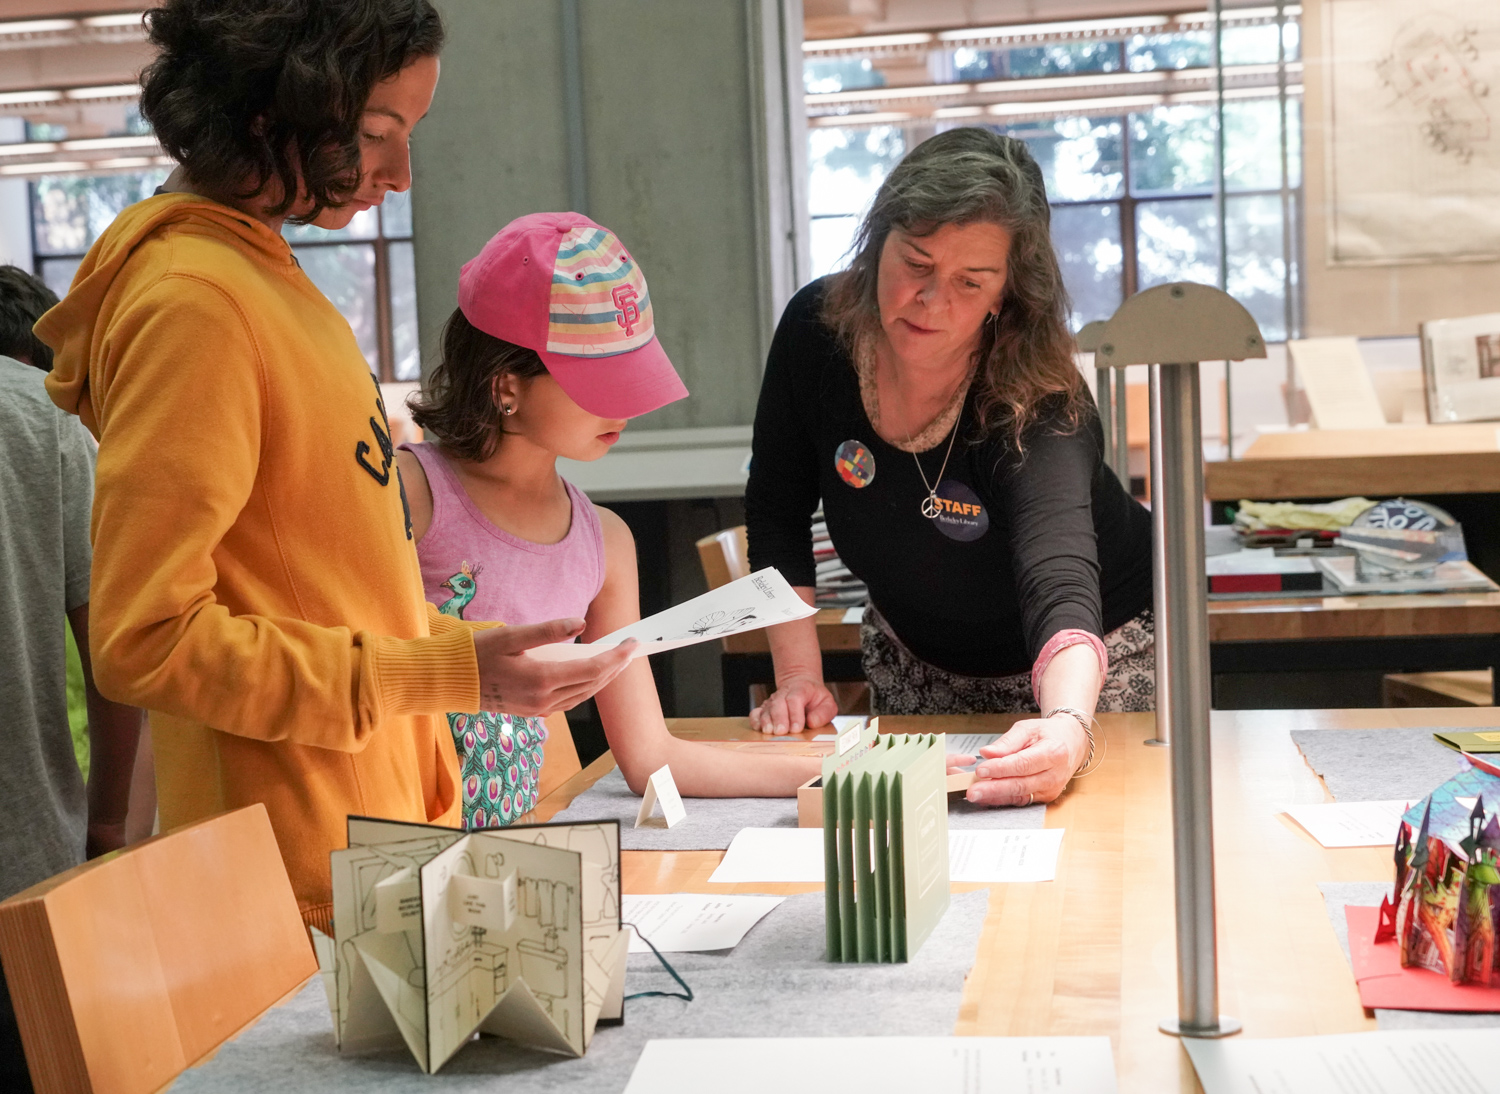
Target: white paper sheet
[(987, 855), (1453, 1061), (1339, 390), (854, 615), (760, 600), (1259, 560), (773, 854), (1352, 824), (821, 1065), (693, 922), (984, 856)]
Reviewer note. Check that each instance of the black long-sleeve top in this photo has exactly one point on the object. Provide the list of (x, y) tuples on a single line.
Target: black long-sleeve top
[(1066, 546)]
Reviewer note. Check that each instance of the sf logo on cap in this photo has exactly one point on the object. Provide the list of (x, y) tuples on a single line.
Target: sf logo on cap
[(625, 297)]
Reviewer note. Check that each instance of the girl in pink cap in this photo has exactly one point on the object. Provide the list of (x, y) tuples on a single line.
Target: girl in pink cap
[(551, 350)]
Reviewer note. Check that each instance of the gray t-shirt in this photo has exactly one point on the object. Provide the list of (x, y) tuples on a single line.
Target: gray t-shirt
[(46, 493)]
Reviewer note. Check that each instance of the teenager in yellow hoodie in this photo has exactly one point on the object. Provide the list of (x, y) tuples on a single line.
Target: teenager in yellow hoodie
[(255, 583)]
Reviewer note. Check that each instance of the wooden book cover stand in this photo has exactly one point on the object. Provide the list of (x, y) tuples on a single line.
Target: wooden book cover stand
[(129, 969)]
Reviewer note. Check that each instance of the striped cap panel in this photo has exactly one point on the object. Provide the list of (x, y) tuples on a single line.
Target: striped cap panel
[(599, 305)]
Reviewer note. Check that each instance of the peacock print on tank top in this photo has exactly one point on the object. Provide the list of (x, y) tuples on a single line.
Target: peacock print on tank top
[(499, 755)]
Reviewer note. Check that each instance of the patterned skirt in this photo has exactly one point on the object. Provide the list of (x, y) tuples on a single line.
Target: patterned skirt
[(902, 683)]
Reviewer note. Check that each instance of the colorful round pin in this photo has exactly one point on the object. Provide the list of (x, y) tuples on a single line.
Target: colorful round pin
[(855, 464)]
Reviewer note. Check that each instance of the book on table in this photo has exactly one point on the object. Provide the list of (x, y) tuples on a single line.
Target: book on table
[(441, 933), (885, 845)]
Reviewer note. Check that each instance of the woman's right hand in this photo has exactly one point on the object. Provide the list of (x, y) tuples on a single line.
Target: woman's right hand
[(797, 703)]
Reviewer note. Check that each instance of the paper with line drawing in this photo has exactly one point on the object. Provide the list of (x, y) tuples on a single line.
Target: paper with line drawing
[(760, 600)]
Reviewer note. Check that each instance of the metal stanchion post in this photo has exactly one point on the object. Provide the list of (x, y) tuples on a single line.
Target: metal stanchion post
[(1171, 328), (1110, 420), (1122, 430), (1104, 386)]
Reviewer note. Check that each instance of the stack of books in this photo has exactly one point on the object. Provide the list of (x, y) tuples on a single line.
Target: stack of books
[(837, 587)]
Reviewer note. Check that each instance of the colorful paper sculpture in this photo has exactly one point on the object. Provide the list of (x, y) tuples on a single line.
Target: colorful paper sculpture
[(1445, 911)]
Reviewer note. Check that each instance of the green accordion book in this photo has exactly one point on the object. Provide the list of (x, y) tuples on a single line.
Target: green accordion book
[(885, 845)]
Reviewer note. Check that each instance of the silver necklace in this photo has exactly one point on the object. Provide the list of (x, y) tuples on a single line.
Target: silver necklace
[(930, 507)]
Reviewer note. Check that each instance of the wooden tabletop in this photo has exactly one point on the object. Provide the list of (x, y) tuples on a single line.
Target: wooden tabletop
[(1262, 620), (1093, 952), (1334, 463)]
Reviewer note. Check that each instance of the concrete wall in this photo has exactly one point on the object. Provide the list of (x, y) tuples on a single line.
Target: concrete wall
[(676, 149)]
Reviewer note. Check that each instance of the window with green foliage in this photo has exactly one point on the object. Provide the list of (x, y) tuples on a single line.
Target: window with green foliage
[(1134, 193)]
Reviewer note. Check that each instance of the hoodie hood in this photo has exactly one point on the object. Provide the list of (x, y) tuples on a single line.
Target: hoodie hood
[(77, 325)]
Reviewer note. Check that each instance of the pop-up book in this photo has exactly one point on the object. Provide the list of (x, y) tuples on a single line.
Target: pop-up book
[(885, 844), (438, 933), (1444, 913)]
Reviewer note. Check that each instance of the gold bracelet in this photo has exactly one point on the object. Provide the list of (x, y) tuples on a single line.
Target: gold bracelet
[(1087, 723)]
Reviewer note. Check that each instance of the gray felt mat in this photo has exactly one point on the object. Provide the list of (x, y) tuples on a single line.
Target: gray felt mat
[(1369, 894), (774, 981), (712, 823), (1366, 765)]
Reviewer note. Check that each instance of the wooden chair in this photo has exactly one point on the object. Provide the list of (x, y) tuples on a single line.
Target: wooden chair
[(559, 755), (131, 968), (725, 557)]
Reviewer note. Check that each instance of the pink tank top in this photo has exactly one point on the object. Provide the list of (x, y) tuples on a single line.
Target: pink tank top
[(473, 570)]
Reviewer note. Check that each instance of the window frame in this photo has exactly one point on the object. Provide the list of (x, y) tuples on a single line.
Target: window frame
[(385, 370)]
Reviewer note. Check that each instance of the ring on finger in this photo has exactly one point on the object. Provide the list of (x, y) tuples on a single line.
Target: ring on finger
[(1030, 797)]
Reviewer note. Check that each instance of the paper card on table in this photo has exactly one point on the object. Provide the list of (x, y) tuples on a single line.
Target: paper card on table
[(772, 854), (693, 922), (854, 615), (841, 724), (1352, 824), (988, 856), (662, 790), (980, 856), (1449, 1060), (818, 1065), (1339, 390), (1384, 983), (760, 600)]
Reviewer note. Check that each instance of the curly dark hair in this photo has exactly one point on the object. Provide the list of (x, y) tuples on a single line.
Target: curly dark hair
[(457, 404), (244, 91), (964, 176), (23, 299)]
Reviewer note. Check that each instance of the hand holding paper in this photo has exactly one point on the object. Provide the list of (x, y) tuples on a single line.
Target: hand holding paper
[(760, 600), (519, 684)]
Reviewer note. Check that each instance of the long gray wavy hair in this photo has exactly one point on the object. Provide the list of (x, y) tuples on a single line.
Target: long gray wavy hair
[(968, 176)]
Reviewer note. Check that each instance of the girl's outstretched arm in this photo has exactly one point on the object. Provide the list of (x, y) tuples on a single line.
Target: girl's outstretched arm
[(631, 710)]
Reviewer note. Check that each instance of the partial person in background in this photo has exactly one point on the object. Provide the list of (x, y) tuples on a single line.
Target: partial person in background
[(551, 351), (255, 584), (49, 820), (929, 396)]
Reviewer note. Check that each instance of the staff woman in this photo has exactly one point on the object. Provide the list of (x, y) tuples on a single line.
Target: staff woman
[(928, 395)]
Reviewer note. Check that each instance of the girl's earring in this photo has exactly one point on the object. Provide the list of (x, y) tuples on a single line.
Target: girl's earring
[(508, 408)]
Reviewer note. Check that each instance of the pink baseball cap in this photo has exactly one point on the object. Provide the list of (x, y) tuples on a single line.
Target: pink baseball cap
[(561, 285)]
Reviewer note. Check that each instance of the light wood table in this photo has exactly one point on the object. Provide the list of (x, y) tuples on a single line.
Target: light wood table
[(1335, 463), (1387, 634), (1424, 632), (1093, 952)]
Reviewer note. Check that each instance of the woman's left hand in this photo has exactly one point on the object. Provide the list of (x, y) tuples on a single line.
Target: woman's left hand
[(1032, 762)]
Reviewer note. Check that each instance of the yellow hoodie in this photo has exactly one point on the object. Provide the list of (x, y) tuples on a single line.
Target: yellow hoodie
[(255, 584)]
